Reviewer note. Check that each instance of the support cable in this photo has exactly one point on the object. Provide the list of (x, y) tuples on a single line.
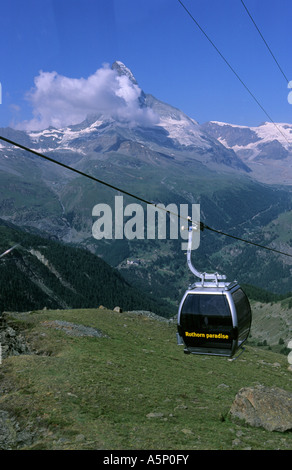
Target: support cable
[(234, 72), (201, 226)]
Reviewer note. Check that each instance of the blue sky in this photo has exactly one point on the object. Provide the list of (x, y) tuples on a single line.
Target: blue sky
[(158, 41)]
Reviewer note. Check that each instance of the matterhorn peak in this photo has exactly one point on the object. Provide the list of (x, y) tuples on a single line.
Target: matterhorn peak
[(121, 69)]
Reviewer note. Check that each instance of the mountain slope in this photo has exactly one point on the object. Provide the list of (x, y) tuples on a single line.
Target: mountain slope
[(266, 149), (272, 324), (129, 387), (45, 273)]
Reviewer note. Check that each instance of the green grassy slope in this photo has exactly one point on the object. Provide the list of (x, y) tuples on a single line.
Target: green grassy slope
[(133, 389)]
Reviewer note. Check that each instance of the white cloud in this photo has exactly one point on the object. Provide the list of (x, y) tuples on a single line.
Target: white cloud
[(59, 101)]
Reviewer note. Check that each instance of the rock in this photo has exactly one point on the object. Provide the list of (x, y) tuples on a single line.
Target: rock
[(236, 442), (12, 343), (74, 329), (269, 408), (187, 431), (148, 314), (155, 415), (118, 309), (11, 435), (10, 332), (222, 386), (7, 431)]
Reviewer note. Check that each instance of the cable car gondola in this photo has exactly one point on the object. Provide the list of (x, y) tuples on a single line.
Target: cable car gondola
[(214, 316)]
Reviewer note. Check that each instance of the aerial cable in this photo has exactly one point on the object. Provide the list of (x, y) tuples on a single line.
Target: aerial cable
[(269, 49), (9, 250), (201, 226), (233, 71), (245, 241), (79, 172)]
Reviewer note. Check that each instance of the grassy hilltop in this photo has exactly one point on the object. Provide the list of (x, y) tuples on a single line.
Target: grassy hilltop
[(132, 388)]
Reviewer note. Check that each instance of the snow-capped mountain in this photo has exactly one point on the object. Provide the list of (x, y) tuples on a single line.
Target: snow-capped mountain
[(122, 70), (266, 149), (169, 132)]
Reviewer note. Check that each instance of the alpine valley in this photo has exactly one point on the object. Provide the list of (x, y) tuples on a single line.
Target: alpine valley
[(240, 176)]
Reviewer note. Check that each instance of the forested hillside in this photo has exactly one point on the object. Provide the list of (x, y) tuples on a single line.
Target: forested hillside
[(45, 273)]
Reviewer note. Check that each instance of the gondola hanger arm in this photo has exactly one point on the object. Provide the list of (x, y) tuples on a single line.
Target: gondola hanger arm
[(214, 277)]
